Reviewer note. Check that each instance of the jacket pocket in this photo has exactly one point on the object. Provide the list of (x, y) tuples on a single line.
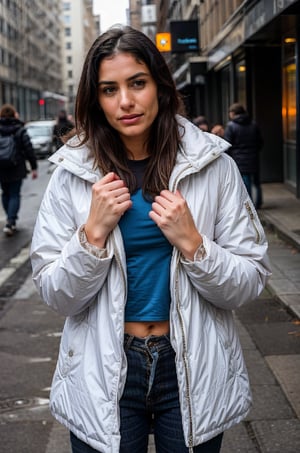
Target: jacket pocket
[(72, 343), (227, 341)]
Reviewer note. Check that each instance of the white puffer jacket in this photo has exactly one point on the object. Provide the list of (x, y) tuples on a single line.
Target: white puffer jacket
[(91, 293)]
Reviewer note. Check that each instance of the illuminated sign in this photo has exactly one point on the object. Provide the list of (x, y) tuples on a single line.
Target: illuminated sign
[(163, 42), (185, 36)]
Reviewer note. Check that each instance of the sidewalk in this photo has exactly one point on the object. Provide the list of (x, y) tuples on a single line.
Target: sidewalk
[(281, 215), (281, 209)]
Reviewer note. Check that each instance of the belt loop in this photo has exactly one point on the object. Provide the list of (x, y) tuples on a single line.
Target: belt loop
[(128, 339)]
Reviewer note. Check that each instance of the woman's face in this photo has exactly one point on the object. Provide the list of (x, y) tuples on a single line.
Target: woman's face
[(127, 96)]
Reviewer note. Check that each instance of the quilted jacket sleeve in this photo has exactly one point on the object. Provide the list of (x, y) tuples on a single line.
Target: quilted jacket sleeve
[(66, 275), (236, 267)]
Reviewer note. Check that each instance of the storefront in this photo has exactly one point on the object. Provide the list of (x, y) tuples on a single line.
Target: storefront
[(256, 64)]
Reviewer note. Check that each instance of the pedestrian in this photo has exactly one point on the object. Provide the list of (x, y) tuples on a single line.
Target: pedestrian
[(202, 123), (62, 128), (11, 177), (218, 129), (246, 139), (146, 240)]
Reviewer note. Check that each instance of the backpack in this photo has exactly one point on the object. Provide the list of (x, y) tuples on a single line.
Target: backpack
[(8, 151)]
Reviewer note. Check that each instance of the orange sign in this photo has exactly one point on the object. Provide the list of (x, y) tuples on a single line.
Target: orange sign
[(163, 42)]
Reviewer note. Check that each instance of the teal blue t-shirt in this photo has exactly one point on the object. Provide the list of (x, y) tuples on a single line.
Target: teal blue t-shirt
[(148, 256)]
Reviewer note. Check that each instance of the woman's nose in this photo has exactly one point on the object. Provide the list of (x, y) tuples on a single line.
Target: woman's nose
[(126, 99)]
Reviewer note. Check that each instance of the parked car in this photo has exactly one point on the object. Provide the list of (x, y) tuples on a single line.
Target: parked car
[(41, 136)]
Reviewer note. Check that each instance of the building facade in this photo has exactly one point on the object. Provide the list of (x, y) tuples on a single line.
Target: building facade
[(248, 53), (30, 56), (81, 28)]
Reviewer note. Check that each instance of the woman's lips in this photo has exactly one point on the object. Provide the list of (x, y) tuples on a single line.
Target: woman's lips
[(130, 119)]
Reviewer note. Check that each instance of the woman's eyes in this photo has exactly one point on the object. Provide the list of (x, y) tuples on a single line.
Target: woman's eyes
[(135, 84), (139, 83), (108, 91)]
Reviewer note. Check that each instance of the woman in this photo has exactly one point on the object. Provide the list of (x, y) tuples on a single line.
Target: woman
[(146, 241)]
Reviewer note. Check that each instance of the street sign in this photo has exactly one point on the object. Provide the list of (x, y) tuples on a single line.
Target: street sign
[(163, 42)]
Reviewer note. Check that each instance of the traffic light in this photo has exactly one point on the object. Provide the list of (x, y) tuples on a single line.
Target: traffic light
[(41, 102)]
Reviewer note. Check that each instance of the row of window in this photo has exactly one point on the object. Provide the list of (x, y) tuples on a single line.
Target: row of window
[(7, 58), (20, 68), (11, 5), (213, 16), (7, 30), (16, 35)]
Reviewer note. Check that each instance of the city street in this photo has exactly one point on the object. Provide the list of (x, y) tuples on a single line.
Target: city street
[(30, 334)]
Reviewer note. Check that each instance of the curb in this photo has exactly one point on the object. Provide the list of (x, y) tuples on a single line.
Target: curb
[(289, 236), (290, 301), (287, 300)]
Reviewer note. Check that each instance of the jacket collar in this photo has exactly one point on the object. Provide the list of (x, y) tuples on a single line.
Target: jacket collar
[(197, 150), (77, 160)]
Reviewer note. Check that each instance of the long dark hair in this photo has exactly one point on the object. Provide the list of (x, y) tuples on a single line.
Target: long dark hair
[(106, 145)]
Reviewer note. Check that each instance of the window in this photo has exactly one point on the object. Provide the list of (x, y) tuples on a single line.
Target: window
[(289, 111), (67, 19), (240, 74), (70, 74), (1, 56), (67, 31), (68, 45), (225, 90), (289, 92), (69, 60)]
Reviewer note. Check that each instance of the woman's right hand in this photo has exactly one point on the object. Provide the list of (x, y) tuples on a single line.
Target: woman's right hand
[(110, 199)]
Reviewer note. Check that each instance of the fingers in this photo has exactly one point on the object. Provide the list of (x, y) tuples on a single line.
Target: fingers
[(169, 205), (110, 186), (171, 213), (110, 199), (111, 176)]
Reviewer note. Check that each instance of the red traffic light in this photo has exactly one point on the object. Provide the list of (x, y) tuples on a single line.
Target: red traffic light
[(41, 101)]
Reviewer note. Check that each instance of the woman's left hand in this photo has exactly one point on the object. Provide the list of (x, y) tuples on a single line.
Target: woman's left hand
[(172, 215)]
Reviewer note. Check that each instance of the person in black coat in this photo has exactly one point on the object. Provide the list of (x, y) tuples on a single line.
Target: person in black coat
[(11, 178), (247, 141), (62, 129)]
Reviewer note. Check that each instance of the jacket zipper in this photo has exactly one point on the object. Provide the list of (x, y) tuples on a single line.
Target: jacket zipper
[(119, 262), (184, 356), (184, 343), (252, 217)]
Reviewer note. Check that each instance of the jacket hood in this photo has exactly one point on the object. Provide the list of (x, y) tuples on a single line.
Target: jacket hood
[(197, 149), (9, 125), (243, 118)]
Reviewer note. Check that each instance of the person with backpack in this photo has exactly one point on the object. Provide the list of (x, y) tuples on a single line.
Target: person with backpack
[(15, 150)]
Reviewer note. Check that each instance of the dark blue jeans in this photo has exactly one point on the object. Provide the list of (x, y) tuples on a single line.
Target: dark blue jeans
[(11, 199), (150, 402)]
